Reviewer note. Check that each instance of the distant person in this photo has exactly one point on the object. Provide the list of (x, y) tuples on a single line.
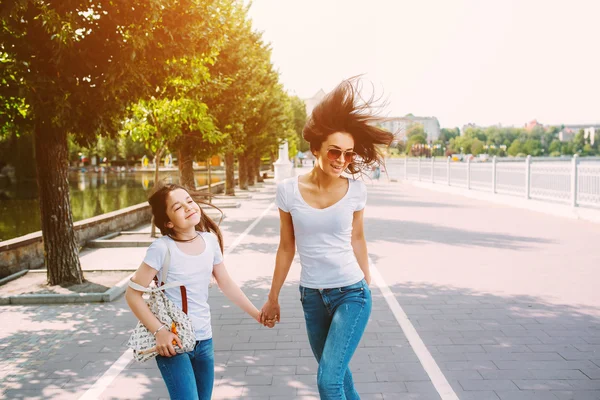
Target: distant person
[(321, 214)]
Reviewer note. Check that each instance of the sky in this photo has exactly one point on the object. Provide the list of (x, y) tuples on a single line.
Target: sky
[(463, 61)]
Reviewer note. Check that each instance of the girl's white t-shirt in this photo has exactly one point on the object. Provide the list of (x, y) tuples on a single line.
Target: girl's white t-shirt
[(323, 236), (194, 272)]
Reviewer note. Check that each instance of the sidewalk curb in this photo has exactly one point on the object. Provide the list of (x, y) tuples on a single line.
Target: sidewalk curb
[(12, 277), (28, 299)]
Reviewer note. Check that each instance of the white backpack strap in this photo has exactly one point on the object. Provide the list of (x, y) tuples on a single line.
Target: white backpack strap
[(164, 273), (140, 288), (165, 266)]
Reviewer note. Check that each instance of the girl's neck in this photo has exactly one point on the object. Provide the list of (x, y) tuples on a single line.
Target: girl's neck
[(321, 179), (184, 234)]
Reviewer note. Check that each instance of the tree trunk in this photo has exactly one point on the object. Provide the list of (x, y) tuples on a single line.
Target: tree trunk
[(259, 177), (186, 167), (229, 174), (251, 170), (157, 158), (243, 171), (61, 249), (209, 169)]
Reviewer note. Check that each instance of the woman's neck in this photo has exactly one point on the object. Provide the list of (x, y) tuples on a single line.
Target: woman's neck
[(321, 179)]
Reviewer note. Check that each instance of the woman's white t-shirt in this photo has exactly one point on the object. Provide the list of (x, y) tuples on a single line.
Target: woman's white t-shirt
[(323, 236), (194, 272)]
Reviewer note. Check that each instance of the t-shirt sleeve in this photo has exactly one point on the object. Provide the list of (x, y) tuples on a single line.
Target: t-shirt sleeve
[(156, 253), (362, 196), (281, 197), (218, 255)]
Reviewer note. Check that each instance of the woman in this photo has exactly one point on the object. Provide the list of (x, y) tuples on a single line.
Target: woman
[(321, 213)]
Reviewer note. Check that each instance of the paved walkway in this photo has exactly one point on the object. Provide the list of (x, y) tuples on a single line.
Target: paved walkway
[(504, 300)]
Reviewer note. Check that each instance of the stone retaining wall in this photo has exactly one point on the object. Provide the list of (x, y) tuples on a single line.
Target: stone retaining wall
[(27, 252)]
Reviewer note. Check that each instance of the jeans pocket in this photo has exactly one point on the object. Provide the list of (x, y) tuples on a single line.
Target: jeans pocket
[(356, 287), (301, 294)]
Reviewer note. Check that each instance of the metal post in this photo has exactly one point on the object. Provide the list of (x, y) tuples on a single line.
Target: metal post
[(528, 177), (448, 170), (419, 169), (469, 173), (432, 169), (494, 174), (574, 178)]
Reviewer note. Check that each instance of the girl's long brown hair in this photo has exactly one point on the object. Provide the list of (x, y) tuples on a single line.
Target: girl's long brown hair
[(344, 110), (158, 203)]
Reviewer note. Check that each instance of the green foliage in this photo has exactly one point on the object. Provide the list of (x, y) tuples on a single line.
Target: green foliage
[(89, 62), (415, 140), (516, 148), (414, 130), (476, 147), (447, 134)]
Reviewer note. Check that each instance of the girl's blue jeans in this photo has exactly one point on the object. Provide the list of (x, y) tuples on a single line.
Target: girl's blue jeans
[(190, 376)]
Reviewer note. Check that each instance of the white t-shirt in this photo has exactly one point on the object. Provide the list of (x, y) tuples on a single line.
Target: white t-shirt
[(323, 236), (194, 272)]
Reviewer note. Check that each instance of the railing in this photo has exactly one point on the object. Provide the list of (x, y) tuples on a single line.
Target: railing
[(575, 182)]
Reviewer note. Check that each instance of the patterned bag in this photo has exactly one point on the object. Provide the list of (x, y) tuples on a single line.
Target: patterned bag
[(142, 341)]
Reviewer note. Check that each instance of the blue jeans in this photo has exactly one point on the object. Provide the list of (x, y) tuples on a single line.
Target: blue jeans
[(190, 376), (335, 322)]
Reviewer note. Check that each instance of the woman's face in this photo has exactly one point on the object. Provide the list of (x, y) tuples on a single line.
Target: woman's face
[(336, 153)]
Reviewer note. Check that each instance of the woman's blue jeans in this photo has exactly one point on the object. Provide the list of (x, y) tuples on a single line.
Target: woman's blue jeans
[(190, 376), (335, 322)]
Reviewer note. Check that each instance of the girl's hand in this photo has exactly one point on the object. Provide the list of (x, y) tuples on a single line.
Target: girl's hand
[(164, 343)]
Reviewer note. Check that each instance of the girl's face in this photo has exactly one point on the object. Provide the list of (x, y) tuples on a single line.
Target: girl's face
[(183, 212), (336, 153)]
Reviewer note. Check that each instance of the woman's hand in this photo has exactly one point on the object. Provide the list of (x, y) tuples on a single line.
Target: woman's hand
[(164, 343), (270, 313)]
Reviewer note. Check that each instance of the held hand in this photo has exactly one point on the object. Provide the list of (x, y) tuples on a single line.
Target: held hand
[(269, 323), (270, 313), (164, 343)]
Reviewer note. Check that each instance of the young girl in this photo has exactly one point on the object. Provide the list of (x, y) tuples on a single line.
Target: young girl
[(321, 213), (195, 244)]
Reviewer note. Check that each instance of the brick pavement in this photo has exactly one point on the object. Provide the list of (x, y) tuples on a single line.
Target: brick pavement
[(507, 308)]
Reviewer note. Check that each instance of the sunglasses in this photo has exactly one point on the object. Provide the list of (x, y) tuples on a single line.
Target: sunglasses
[(334, 154)]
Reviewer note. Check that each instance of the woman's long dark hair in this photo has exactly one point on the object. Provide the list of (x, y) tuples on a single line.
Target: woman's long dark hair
[(158, 203), (344, 110)]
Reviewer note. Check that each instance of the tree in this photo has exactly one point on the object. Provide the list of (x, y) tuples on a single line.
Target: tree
[(415, 144), (446, 134), (234, 81), (299, 116), (415, 129), (579, 141), (532, 147), (476, 147), (106, 147), (516, 148), (554, 146), (74, 68), (129, 149), (588, 150)]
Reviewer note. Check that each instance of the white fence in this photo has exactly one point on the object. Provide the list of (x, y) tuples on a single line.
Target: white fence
[(575, 182)]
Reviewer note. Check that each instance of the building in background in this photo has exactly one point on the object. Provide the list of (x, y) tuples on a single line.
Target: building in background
[(569, 131), (533, 124), (399, 125)]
